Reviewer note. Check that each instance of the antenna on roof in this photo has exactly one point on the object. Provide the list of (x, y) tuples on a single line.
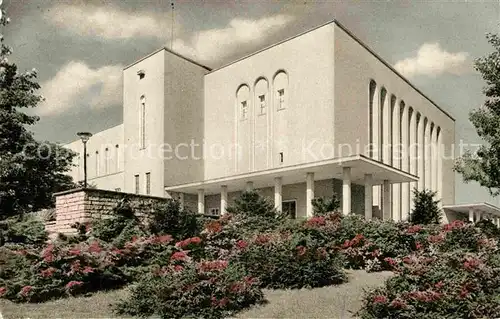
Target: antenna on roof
[(172, 27)]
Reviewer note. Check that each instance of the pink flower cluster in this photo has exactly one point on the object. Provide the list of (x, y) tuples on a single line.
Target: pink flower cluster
[(316, 221), (187, 242), (214, 265), (73, 283), (414, 229), (353, 242)]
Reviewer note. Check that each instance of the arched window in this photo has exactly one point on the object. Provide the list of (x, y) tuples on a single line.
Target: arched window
[(143, 121), (281, 94), (243, 101), (261, 96)]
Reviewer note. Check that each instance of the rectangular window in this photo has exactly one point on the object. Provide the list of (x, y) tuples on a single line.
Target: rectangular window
[(97, 163), (281, 157), (106, 161), (143, 125), (244, 110), (281, 99), (289, 207), (148, 183), (262, 100), (214, 211), (136, 178)]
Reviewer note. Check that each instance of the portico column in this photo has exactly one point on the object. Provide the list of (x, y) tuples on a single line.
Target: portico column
[(201, 201), (368, 196), (181, 200), (471, 215), (309, 194), (478, 216), (249, 186), (386, 203), (223, 199), (278, 195), (346, 190)]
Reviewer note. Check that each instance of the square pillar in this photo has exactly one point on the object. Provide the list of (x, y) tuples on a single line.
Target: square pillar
[(309, 193), (478, 216), (223, 199), (368, 196), (471, 215), (386, 201), (346, 190), (278, 193), (201, 201), (249, 186)]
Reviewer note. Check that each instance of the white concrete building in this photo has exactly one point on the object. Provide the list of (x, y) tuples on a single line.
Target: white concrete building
[(314, 114)]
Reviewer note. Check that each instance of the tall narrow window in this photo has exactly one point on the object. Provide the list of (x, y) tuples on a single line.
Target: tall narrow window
[(148, 183), (262, 101), (281, 99), (97, 163), (244, 110), (143, 122), (136, 179), (117, 157), (106, 161)]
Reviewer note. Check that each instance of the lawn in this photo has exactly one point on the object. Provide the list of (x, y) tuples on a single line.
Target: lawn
[(327, 302)]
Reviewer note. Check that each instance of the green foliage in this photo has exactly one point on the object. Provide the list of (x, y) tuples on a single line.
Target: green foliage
[(255, 213), (284, 260), (27, 230), (170, 218), (206, 289), (119, 227), (30, 171), (426, 209), (488, 228), (483, 165), (322, 206)]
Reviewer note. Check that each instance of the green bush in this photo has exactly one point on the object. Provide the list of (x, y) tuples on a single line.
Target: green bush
[(26, 230), (170, 218), (285, 260), (185, 289), (255, 213), (323, 206), (426, 208)]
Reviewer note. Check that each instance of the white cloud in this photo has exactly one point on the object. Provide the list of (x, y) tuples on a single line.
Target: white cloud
[(77, 85), (107, 22), (215, 44), (432, 60)]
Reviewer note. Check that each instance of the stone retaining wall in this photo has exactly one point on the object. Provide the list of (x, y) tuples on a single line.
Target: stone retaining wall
[(81, 205)]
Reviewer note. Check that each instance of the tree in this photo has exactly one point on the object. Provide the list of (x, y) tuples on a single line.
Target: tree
[(426, 209), (30, 170), (323, 206), (483, 166)]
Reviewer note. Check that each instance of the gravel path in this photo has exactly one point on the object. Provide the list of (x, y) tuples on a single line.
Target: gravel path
[(338, 302)]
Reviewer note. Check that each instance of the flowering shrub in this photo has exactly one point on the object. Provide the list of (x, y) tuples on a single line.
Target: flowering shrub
[(58, 271), (205, 289), (457, 269), (285, 260), (439, 286)]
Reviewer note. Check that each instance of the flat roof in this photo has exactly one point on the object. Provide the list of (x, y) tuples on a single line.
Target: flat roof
[(465, 208), (334, 21), (293, 174)]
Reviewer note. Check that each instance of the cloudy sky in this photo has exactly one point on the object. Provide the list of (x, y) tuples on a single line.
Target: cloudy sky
[(79, 48)]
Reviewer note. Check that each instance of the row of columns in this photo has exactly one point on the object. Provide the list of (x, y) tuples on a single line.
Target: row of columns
[(476, 215), (346, 195), (395, 123)]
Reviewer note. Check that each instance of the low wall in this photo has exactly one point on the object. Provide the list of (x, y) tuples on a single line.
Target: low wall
[(81, 205)]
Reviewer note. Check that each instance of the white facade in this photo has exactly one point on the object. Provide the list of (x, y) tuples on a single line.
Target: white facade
[(315, 114)]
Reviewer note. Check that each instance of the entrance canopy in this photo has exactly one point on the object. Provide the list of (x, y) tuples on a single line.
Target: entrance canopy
[(484, 208), (328, 169)]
